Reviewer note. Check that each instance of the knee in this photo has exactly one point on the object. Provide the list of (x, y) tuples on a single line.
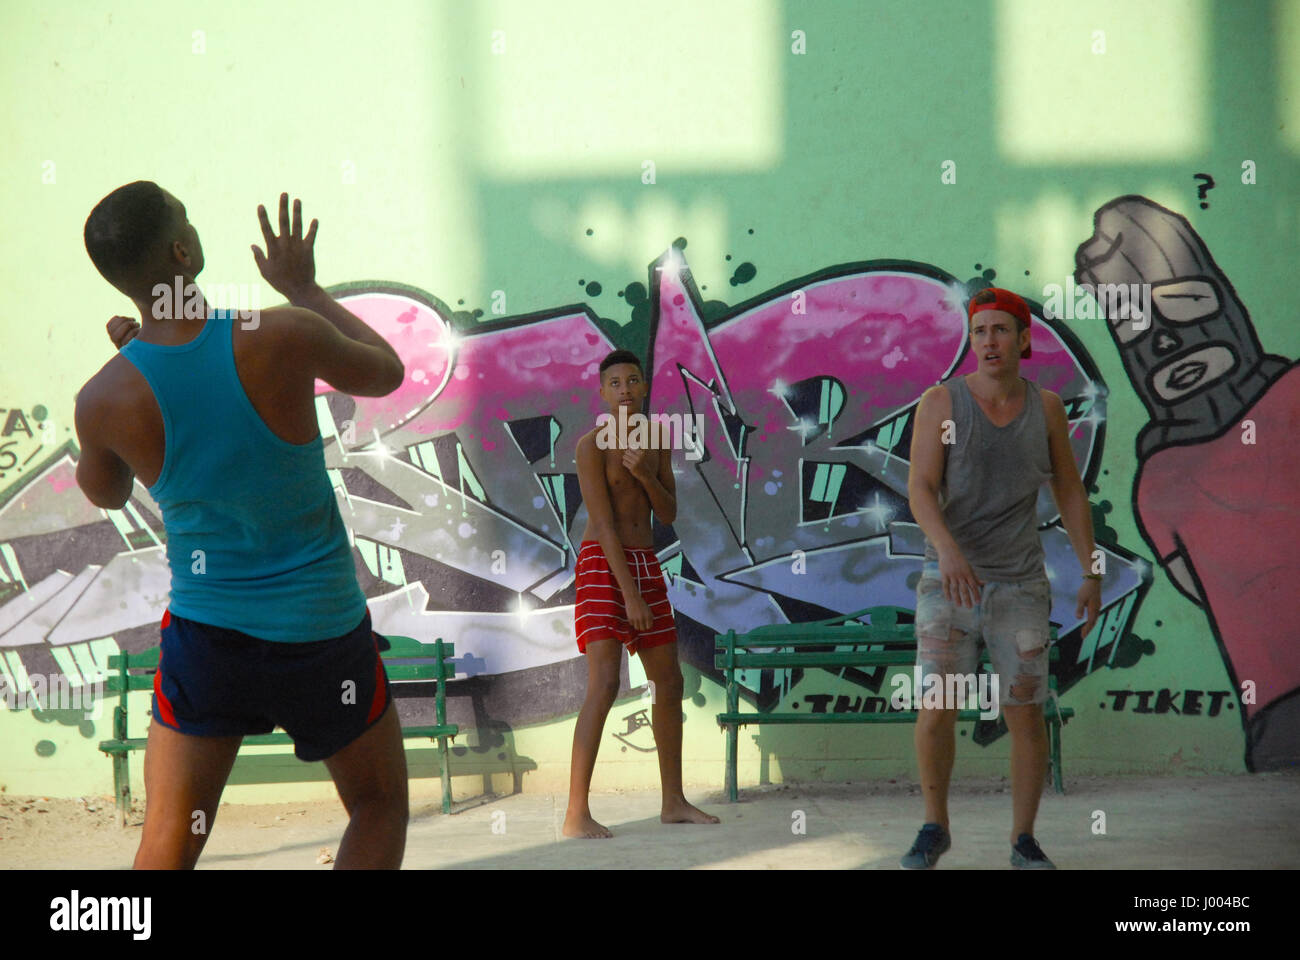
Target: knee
[(1030, 680), (603, 691), (1025, 689), (384, 802), (1024, 720), (666, 689), (930, 721), (381, 791)]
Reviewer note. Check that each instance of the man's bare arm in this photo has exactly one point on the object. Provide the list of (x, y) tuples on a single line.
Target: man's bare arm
[(933, 420), (1072, 501), (319, 348), (102, 475), (925, 474), (1067, 487), (315, 298)]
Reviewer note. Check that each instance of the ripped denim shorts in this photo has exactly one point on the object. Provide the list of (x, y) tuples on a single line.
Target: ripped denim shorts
[(1011, 619)]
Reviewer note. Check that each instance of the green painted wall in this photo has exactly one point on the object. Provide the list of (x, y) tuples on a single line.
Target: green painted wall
[(493, 156)]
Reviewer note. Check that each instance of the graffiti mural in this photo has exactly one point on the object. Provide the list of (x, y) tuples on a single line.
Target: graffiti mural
[(461, 498), (1215, 496)]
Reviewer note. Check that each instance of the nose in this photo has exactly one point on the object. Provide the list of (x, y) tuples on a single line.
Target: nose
[(1166, 342)]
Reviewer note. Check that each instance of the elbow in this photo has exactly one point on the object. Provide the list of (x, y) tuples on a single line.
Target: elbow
[(1069, 493), (116, 500), (104, 503), (916, 490), (126, 495), (86, 492), (398, 376)]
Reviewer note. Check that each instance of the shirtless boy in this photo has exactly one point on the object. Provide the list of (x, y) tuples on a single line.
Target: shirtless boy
[(622, 600)]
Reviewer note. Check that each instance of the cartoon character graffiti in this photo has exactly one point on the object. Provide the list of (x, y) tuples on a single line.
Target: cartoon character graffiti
[(1216, 494)]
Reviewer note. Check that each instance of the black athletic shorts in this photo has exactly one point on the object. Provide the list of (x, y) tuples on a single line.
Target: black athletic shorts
[(217, 682)]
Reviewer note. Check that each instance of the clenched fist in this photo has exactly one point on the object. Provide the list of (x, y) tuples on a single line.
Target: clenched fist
[(122, 329)]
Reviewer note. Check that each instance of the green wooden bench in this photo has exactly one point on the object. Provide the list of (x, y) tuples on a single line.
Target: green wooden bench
[(883, 642), (406, 659)]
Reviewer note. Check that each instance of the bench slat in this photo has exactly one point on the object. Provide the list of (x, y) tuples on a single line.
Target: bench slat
[(802, 633), (406, 659), (884, 642), (280, 739), (886, 716), (840, 658)]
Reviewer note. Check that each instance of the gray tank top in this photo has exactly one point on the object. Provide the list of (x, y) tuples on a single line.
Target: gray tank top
[(990, 487)]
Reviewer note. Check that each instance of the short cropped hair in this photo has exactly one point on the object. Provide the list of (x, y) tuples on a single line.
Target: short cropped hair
[(124, 226), (617, 357)]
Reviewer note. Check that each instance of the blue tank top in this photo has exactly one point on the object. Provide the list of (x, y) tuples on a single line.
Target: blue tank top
[(255, 541)]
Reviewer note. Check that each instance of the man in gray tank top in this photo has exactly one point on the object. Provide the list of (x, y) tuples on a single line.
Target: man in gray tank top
[(982, 445)]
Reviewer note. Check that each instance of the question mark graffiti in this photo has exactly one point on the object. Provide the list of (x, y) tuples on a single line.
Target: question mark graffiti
[(1203, 188)]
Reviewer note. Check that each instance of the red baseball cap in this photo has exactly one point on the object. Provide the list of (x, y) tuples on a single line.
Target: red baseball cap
[(995, 298)]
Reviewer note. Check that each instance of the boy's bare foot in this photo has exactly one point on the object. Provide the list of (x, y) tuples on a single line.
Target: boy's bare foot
[(581, 826), (679, 811)]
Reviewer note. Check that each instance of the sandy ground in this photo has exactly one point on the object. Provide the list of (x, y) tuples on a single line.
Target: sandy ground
[(1226, 822)]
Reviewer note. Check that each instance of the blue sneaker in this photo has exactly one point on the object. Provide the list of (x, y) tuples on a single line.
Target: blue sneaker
[(1028, 855), (931, 843)]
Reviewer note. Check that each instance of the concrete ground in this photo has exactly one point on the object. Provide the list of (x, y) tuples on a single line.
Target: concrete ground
[(1208, 822)]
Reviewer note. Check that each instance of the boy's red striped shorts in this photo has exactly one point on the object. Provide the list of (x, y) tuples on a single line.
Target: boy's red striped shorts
[(600, 613)]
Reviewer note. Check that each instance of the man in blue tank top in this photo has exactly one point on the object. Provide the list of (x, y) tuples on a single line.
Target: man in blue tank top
[(266, 625), (982, 445)]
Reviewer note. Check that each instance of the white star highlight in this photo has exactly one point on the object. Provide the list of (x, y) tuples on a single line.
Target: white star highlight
[(379, 450), (672, 266), (779, 388), (882, 513)]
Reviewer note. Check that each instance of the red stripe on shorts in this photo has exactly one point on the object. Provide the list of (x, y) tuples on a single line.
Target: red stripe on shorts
[(165, 712), (377, 701)]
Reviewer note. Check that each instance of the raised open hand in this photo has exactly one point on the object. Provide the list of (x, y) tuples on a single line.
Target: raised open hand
[(289, 264)]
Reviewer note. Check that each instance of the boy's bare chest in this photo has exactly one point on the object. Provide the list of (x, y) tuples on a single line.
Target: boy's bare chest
[(621, 480)]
